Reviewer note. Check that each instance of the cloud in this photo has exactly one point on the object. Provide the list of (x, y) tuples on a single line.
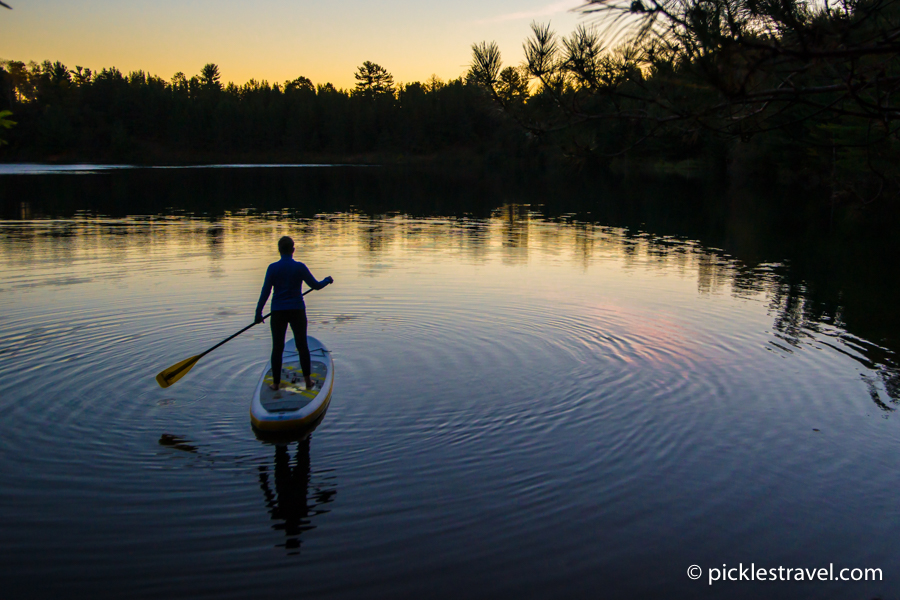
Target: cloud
[(544, 11)]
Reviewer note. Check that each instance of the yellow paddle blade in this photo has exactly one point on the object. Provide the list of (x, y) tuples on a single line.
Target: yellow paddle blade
[(176, 371)]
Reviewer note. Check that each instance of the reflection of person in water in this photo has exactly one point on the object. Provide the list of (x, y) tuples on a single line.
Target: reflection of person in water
[(298, 495), (293, 504)]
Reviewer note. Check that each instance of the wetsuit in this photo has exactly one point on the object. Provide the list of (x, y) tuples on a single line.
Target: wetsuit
[(287, 276)]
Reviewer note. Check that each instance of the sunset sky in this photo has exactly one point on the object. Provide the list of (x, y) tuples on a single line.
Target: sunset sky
[(275, 40)]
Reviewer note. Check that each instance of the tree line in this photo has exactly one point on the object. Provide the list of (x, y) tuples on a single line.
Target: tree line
[(794, 90), (786, 87), (77, 113)]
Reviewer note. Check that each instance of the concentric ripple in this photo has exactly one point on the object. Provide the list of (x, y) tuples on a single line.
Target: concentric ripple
[(521, 407)]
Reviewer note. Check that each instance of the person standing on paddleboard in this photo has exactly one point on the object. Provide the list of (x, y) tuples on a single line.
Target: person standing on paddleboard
[(288, 308)]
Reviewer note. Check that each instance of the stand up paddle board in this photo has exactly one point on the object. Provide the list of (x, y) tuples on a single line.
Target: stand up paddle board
[(293, 405)]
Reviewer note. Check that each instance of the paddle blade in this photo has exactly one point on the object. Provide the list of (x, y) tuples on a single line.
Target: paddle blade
[(176, 371)]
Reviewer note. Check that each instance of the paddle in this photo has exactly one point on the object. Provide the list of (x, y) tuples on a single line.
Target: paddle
[(169, 376)]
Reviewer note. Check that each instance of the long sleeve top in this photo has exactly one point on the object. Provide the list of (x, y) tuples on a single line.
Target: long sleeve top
[(286, 276)]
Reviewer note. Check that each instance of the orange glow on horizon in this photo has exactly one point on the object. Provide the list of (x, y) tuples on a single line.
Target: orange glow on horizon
[(273, 40)]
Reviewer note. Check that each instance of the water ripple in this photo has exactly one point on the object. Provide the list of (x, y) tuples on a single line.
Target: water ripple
[(508, 394)]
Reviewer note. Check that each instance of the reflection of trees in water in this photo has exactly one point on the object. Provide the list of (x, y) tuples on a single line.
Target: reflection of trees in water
[(293, 495), (799, 317), (584, 244), (793, 314), (802, 314), (215, 240), (827, 300), (514, 220), (710, 275), (748, 281), (374, 236), (475, 237)]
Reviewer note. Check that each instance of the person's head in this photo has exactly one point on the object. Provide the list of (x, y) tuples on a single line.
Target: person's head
[(286, 246)]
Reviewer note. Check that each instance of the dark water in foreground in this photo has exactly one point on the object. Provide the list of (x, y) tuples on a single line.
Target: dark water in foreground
[(526, 405)]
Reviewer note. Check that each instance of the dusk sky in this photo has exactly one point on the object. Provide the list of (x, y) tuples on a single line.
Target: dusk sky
[(275, 40)]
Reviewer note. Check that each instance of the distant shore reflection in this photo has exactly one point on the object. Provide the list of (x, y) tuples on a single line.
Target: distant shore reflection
[(801, 309)]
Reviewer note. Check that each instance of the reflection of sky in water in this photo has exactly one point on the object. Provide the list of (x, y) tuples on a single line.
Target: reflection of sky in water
[(83, 169), (507, 389), (663, 288)]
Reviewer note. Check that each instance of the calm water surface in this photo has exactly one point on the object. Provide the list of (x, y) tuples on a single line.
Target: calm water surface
[(523, 408)]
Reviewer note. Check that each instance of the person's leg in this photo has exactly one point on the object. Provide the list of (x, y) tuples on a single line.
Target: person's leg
[(299, 326), (279, 323)]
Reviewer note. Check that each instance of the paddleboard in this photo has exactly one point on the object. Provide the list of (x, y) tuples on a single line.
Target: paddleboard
[(293, 406)]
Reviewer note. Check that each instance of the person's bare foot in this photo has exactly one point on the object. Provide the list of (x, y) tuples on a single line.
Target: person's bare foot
[(310, 384), (273, 387)]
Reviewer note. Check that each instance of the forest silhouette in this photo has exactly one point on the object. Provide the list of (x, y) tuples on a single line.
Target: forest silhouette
[(795, 93), (79, 114), (792, 90)]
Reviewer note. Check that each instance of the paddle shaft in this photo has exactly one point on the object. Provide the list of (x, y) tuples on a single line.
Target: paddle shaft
[(228, 339)]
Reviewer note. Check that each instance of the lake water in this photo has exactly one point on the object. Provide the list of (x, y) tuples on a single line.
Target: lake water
[(526, 405)]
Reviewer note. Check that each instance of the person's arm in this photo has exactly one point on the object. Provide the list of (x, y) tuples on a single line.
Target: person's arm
[(264, 295), (312, 282)]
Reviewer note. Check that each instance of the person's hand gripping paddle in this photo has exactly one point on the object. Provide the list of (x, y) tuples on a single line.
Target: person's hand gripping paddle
[(169, 376)]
